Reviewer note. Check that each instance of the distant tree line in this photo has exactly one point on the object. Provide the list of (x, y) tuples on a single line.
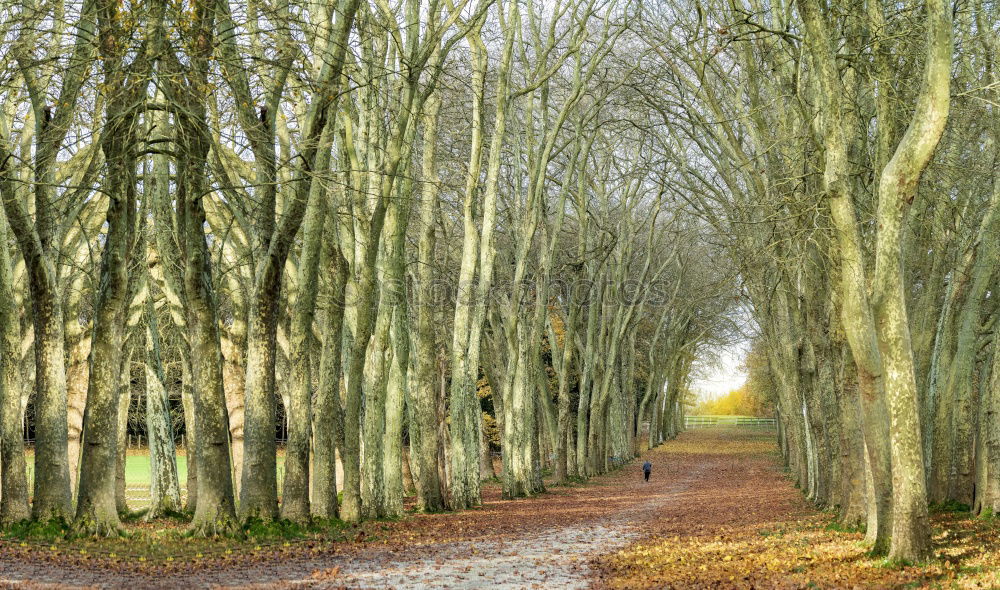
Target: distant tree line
[(742, 401)]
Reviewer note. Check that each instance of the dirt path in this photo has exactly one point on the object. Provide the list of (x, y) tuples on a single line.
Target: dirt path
[(704, 480), (555, 557)]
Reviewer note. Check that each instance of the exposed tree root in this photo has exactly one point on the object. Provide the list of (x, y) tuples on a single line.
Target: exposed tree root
[(94, 526), (164, 510), (214, 527)]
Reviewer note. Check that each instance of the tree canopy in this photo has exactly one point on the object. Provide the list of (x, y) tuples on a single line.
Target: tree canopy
[(388, 228)]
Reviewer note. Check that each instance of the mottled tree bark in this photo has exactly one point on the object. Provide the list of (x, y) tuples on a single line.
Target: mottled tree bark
[(96, 509), (164, 485), (897, 187), (35, 238), (13, 467), (423, 391), (234, 346), (295, 490), (215, 510), (77, 375), (856, 313), (123, 391), (328, 422)]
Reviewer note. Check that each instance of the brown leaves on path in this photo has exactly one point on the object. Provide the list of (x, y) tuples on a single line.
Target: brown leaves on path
[(582, 519), (717, 513), (748, 527)]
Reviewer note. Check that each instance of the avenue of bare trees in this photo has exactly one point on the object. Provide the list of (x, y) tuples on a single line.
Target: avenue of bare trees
[(416, 234), (411, 235), (849, 152)]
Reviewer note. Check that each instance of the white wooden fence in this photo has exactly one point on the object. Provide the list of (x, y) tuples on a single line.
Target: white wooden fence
[(743, 421)]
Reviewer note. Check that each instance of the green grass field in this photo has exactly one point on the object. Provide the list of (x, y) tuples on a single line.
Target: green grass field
[(137, 474)]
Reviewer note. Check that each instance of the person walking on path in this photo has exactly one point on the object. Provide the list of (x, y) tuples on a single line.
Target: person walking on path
[(647, 468)]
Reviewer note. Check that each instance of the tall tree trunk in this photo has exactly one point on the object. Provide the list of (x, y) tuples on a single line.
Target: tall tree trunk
[(78, 340), (164, 484), (856, 313), (423, 392), (97, 513), (96, 510), (259, 487), (295, 490), (375, 384), (940, 436), (470, 494), (383, 406), (123, 392), (897, 187), (13, 467), (215, 510), (853, 508), (234, 372), (169, 239), (361, 293), (328, 420), (463, 490), (520, 439), (399, 343), (988, 482), (190, 431), (52, 493), (397, 385), (961, 380), (52, 490), (164, 480), (583, 422)]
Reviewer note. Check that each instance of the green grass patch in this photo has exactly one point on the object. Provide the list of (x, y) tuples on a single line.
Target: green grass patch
[(950, 506), (574, 480), (839, 527), (287, 530), (165, 541), (36, 531), (138, 475)]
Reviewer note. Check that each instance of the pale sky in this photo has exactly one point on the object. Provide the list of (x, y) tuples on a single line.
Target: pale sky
[(722, 377)]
